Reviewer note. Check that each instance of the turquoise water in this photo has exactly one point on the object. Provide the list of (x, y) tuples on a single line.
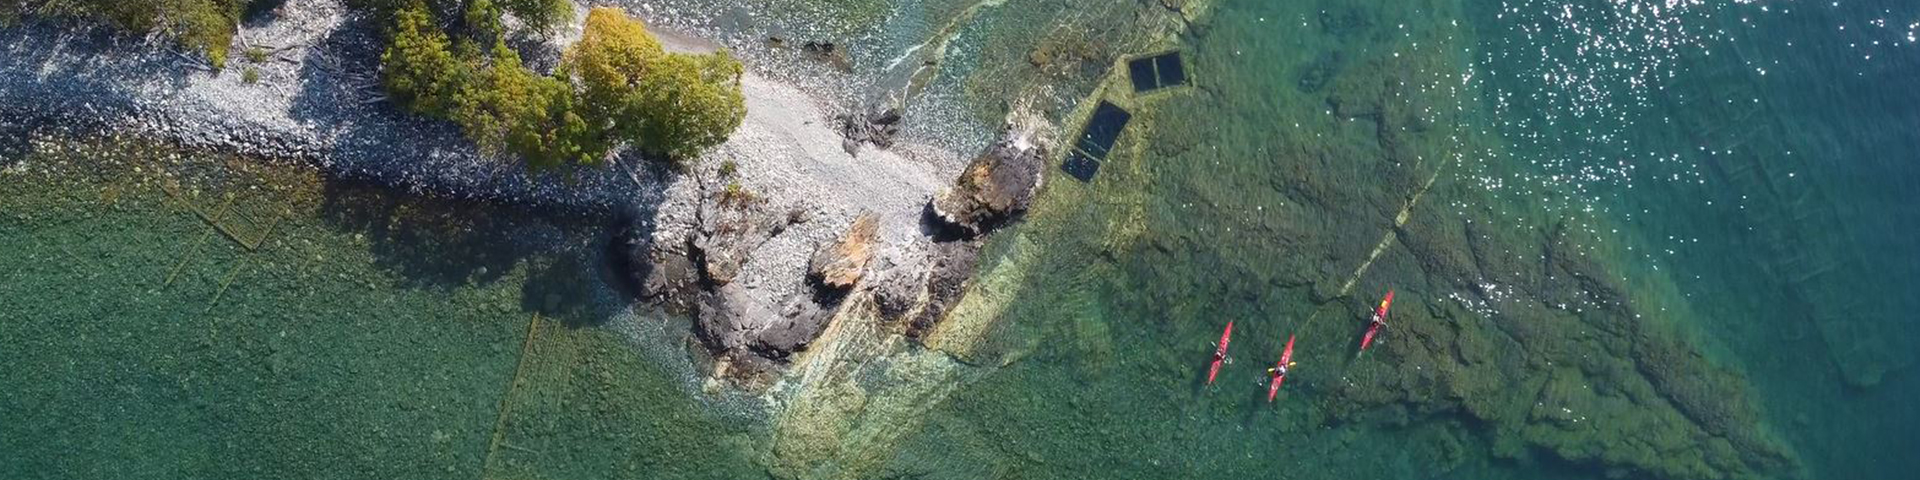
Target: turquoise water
[(1633, 239), (1732, 179)]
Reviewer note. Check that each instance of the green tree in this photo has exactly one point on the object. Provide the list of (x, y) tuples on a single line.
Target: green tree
[(551, 132), (612, 54), (616, 86), (669, 105), (483, 21), (510, 109), (687, 104), (420, 70), (541, 16), (492, 98)]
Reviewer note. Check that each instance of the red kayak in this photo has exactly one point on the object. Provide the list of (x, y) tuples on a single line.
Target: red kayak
[(1379, 319), (1220, 354), (1286, 361)]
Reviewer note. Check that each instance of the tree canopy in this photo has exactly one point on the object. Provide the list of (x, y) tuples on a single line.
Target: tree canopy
[(668, 105), (421, 72), (616, 87), (478, 16), (686, 104)]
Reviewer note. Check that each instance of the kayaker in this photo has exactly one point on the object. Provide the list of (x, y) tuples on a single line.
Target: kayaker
[(1220, 352), (1379, 320), (1279, 371)]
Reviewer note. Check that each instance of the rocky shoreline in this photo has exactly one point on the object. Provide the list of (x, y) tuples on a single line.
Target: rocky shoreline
[(315, 100), (738, 242)]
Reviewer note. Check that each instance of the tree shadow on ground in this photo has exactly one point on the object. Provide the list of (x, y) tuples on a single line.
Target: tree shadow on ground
[(83, 74)]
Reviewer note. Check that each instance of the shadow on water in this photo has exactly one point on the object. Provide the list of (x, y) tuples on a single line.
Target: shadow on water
[(431, 243), (444, 244), (405, 184), (465, 218), (1200, 378)]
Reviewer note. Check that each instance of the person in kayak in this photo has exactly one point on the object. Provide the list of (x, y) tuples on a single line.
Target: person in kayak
[(1373, 326), (1220, 352), (1279, 371)]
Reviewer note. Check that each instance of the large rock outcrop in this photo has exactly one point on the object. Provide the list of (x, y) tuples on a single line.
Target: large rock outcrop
[(997, 186)]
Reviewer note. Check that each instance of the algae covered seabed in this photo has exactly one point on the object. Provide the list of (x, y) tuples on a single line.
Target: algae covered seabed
[(1625, 244)]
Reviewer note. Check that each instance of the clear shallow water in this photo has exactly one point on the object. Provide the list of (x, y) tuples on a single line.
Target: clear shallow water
[(1611, 189), (173, 315)]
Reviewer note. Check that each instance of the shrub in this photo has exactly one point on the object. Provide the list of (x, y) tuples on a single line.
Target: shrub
[(734, 194), (251, 75)]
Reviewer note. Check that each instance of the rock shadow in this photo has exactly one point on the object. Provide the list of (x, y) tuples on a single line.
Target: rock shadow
[(938, 230), (577, 285)]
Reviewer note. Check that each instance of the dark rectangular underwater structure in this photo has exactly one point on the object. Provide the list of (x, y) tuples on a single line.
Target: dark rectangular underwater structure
[(1096, 141), (1157, 71)]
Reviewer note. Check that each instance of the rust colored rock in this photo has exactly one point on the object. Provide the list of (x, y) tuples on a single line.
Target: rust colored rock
[(840, 265)]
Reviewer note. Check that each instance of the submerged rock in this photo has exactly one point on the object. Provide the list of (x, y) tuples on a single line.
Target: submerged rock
[(898, 292), (831, 53), (997, 186), (800, 322), (953, 266)]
